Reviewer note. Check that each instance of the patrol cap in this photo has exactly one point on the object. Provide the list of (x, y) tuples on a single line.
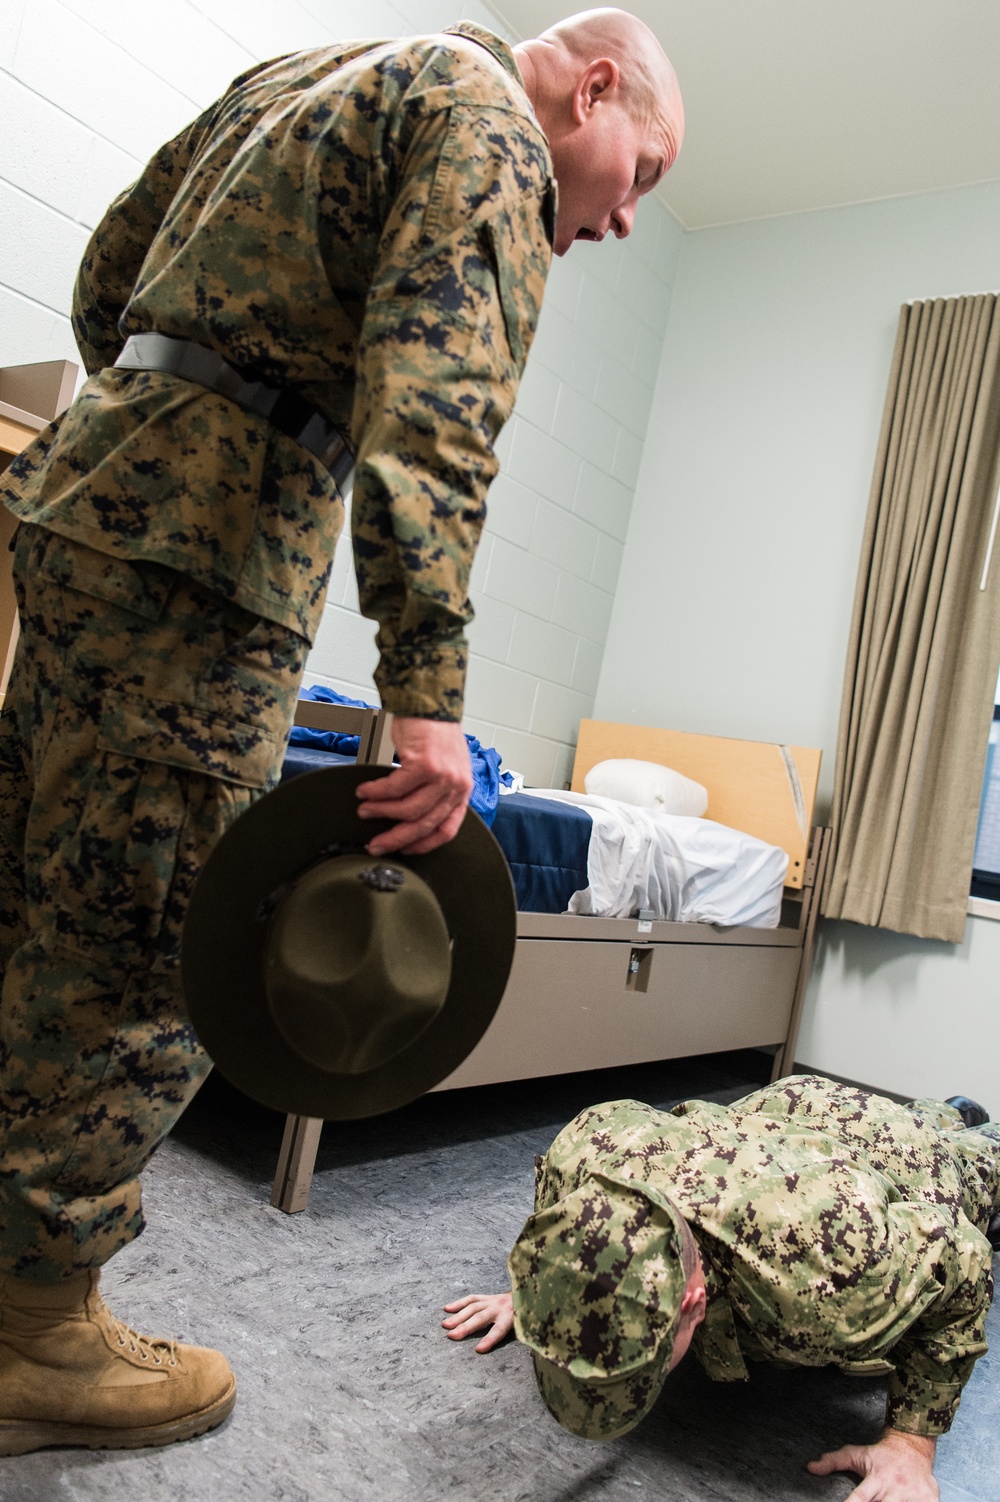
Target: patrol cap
[(598, 1279)]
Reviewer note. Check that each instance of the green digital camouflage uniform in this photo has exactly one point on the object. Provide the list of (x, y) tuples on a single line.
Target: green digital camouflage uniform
[(834, 1228), (370, 227)]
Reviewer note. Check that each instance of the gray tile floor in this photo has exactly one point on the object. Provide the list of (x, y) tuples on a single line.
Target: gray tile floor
[(348, 1389)]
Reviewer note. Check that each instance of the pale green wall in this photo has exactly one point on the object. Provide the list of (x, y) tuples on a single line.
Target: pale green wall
[(911, 1015), (735, 591)]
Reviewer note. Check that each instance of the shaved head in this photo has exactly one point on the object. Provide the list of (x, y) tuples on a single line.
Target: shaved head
[(648, 81), (610, 106)]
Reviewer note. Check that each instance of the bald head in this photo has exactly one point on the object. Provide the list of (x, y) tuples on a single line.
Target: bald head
[(609, 103), (647, 80)]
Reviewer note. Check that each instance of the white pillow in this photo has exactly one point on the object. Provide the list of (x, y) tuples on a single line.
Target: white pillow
[(647, 785)]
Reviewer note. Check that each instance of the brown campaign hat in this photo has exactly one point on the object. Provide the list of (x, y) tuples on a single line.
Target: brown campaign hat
[(327, 982)]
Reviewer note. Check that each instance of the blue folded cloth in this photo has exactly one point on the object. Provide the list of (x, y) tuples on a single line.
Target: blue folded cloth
[(486, 774)]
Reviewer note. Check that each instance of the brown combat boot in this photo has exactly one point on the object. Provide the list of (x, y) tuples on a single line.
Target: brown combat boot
[(72, 1374)]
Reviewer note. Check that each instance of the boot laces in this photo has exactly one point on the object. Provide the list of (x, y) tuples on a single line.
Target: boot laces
[(160, 1351)]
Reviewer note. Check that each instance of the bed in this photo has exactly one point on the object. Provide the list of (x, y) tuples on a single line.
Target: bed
[(589, 992)]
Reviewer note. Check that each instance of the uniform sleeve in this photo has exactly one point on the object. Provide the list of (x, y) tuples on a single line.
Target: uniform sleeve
[(934, 1359), (118, 246), (447, 327)]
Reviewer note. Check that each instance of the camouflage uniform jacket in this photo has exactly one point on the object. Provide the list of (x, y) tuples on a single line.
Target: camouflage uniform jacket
[(812, 1256), (370, 226)]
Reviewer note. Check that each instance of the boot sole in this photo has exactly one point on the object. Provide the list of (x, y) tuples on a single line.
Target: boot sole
[(21, 1436)]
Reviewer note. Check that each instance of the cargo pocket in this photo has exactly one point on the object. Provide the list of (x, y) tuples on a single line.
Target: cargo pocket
[(118, 866), (135, 585), (193, 740)]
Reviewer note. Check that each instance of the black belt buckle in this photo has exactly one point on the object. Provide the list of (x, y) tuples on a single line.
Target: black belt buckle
[(321, 438)]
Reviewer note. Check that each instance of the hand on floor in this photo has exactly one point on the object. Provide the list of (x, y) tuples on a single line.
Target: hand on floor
[(478, 1311), (897, 1469)]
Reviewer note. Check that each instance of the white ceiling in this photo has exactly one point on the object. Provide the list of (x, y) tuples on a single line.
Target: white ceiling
[(806, 104)]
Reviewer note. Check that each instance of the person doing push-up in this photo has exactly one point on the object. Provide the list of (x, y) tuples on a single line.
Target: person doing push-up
[(808, 1224)]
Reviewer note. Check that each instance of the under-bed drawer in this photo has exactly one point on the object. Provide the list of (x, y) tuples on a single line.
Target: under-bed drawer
[(572, 1005)]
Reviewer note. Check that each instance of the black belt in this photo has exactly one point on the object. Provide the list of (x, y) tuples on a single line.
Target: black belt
[(286, 411)]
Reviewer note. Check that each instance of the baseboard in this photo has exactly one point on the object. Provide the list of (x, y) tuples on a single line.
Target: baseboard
[(854, 1084)]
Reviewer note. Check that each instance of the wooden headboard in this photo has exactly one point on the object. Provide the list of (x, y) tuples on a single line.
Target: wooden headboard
[(763, 789)]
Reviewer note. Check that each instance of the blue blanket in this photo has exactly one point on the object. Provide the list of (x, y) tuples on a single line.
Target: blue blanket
[(546, 845), (486, 773)]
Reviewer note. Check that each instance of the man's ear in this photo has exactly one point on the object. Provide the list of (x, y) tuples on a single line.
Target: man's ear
[(694, 1301), (597, 79)]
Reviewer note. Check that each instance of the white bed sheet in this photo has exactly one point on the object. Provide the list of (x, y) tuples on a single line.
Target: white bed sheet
[(682, 869)]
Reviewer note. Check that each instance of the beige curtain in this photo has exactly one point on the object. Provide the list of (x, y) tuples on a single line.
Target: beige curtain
[(925, 637)]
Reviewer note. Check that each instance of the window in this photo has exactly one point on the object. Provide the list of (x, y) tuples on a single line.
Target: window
[(986, 861)]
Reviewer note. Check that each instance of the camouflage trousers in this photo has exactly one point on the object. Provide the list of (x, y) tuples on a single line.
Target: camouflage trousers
[(144, 714), (924, 1148)]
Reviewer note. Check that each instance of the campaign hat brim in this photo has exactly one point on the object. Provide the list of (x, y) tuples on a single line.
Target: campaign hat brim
[(225, 941)]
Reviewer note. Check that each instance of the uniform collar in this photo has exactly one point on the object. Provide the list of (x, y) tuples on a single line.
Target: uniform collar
[(715, 1342), (493, 44)]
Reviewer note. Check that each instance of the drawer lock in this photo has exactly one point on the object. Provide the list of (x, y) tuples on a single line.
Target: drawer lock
[(640, 963)]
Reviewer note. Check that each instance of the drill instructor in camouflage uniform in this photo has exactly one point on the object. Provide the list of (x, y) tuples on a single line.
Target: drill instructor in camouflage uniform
[(365, 231), (808, 1224)]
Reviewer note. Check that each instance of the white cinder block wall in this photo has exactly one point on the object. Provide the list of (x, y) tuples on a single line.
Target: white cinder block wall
[(89, 88)]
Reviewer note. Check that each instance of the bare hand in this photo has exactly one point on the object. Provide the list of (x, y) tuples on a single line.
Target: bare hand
[(478, 1311), (427, 794), (897, 1469)]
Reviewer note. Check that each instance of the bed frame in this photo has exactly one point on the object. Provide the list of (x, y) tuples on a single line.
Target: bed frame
[(592, 993)]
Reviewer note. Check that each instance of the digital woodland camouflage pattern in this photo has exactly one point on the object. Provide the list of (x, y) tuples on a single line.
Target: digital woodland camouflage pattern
[(143, 716), (610, 1253), (834, 1226), (371, 226)]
